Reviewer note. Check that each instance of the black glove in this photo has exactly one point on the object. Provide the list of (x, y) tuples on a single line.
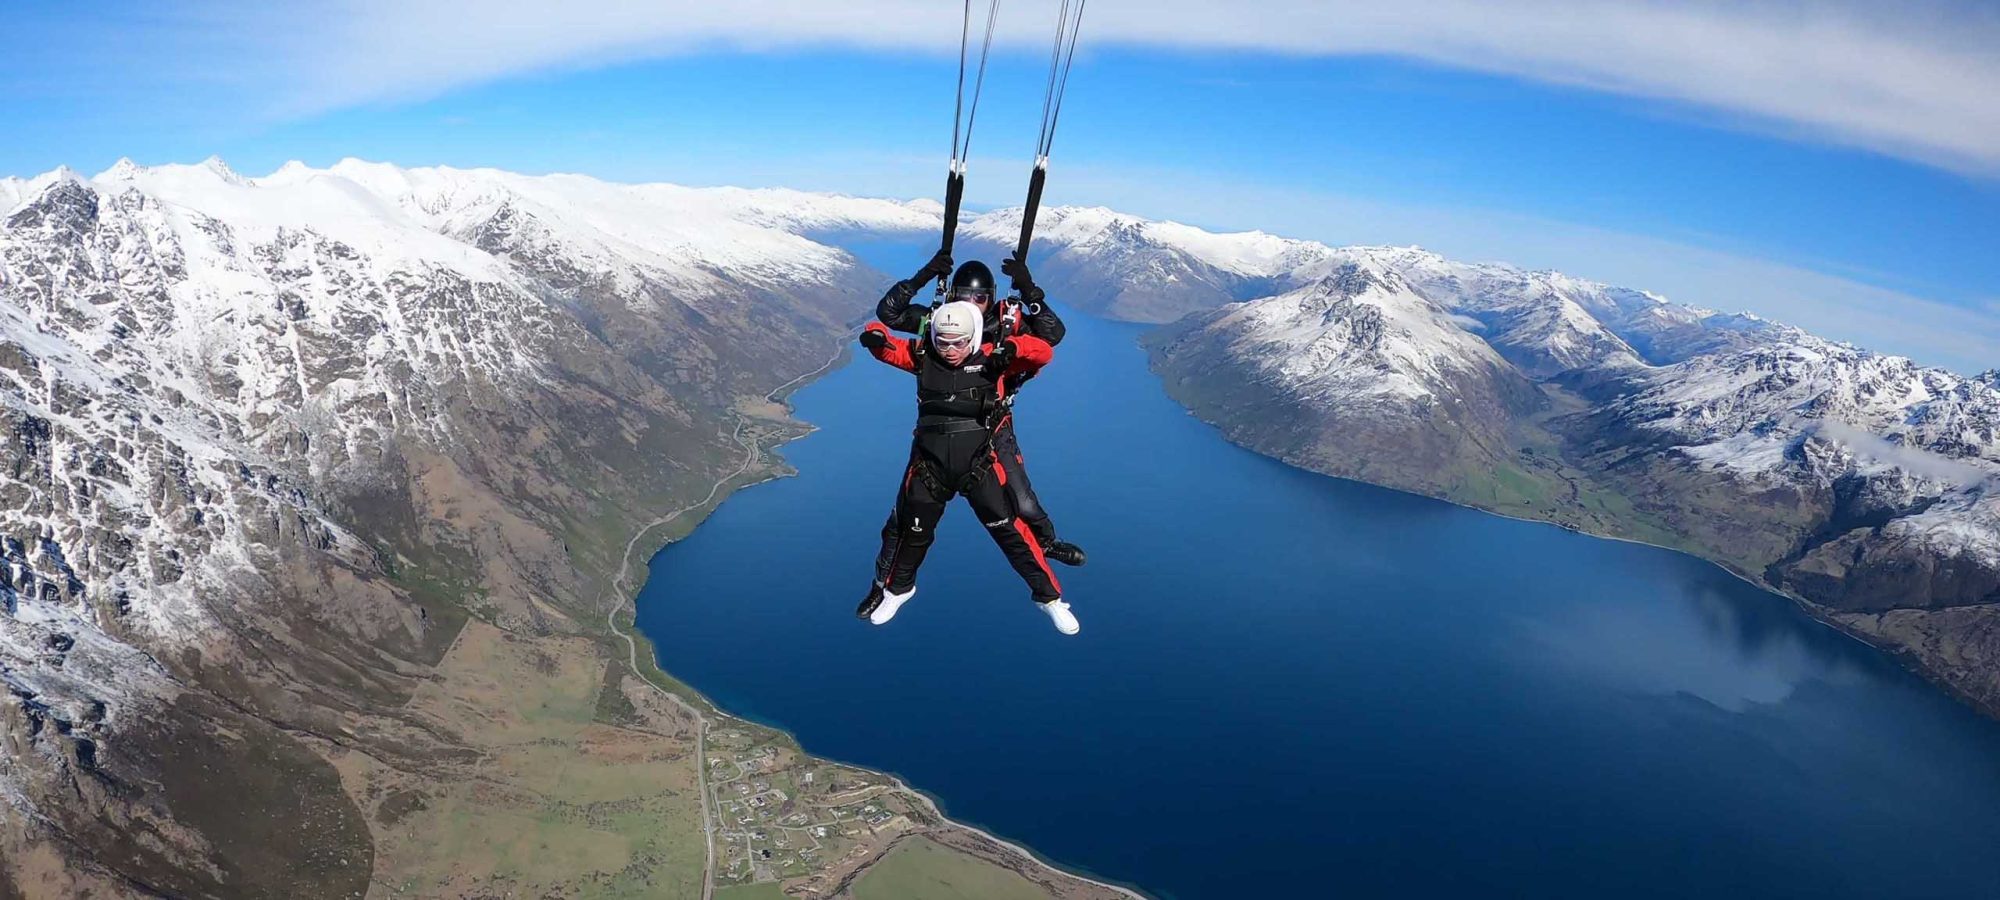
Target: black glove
[(874, 339), (1017, 270), (1024, 281), (1002, 356), (938, 268)]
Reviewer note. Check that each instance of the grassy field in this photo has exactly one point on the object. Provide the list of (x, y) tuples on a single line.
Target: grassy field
[(921, 869), (560, 803), (769, 891)]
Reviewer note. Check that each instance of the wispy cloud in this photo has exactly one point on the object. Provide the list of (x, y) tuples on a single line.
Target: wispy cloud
[(1915, 80), (1924, 463)]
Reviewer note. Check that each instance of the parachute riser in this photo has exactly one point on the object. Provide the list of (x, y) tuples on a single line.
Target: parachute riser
[(965, 115), (1035, 182), (954, 191)]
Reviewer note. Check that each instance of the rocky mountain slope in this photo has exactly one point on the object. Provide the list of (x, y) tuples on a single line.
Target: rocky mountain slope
[(1861, 483), (314, 489)]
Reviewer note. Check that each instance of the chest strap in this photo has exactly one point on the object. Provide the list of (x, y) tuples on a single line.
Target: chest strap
[(950, 426)]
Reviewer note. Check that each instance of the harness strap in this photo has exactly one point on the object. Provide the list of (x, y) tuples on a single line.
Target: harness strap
[(951, 426)]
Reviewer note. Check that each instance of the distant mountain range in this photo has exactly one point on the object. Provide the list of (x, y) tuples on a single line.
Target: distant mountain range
[(1860, 483), (1863, 484), (278, 450)]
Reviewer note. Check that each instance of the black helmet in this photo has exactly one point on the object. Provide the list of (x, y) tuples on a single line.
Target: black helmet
[(973, 282)]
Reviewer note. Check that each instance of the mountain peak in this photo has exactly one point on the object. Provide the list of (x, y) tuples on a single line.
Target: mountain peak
[(220, 169), (291, 169), (122, 170), (1353, 279), (17, 192)]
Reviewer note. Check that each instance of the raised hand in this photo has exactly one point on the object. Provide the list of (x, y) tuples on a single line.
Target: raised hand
[(937, 269), (1017, 270)]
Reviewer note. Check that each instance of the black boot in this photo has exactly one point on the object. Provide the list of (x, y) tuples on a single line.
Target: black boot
[(1064, 552), (868, 603)]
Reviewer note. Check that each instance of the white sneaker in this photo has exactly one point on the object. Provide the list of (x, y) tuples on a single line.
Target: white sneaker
[(890, 603), (1058, 613)]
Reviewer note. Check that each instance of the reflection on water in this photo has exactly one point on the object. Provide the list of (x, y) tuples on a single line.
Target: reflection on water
[(1728, 651)]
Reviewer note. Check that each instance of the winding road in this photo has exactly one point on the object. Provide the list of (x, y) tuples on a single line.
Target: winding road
[(621, 595)]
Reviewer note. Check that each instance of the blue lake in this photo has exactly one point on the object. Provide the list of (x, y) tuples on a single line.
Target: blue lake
[(1289, 685)]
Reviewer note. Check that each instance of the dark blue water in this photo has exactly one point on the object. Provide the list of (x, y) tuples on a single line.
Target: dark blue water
[(1288, 685)]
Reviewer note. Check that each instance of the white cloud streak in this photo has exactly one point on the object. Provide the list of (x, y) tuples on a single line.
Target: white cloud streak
[(1872, 447), (1913, 80)]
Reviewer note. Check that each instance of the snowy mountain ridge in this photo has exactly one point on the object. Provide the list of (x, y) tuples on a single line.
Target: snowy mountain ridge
[(1545, 322), (250, 318), (237, 413), (1863, 482)]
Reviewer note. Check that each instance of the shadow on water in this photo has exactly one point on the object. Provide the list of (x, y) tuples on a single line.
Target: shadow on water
[(1293, 685)]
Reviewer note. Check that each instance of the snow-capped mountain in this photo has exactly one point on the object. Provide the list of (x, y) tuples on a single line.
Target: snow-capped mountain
[(1354, 357), (253, 422), (1149, 271), (1863, 482), (1891, 466), (1921, 418), (270, 441), (1138, 270)]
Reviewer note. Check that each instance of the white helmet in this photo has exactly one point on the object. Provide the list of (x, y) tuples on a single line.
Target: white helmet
[(957, 321)]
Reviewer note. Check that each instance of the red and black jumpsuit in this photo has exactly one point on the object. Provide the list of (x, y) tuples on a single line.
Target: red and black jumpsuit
[(952, 453), (896, 311)]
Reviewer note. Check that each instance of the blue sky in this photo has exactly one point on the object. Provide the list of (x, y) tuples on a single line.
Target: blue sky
[(1857, 197)]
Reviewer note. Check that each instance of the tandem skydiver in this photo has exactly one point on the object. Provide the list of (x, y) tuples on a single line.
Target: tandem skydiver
[(1030, 315), (962, 385)]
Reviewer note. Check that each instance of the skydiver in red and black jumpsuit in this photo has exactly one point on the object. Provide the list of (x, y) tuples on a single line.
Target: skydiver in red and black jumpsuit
[(961, 388), (1030, 315)]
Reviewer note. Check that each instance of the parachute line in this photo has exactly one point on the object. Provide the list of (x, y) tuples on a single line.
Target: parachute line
[(968, 113), (1069, 23)]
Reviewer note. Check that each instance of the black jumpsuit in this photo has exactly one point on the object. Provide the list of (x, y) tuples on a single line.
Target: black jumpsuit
[(953, 452), (895, 310)]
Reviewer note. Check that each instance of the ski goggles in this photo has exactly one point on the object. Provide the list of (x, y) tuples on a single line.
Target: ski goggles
[(962, 342), (972, 295)]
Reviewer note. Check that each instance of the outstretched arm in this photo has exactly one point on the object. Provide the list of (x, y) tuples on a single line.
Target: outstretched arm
[(894, 309), (887, 347)]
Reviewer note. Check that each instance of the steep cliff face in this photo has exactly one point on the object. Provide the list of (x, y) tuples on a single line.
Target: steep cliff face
[(270, 443)]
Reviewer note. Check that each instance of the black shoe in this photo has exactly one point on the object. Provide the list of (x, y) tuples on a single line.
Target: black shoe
[(868, 603), (1064, 552)]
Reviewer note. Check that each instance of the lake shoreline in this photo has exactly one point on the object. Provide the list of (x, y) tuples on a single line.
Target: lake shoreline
[(770, 459), (1380, 660), (1812, 610)]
